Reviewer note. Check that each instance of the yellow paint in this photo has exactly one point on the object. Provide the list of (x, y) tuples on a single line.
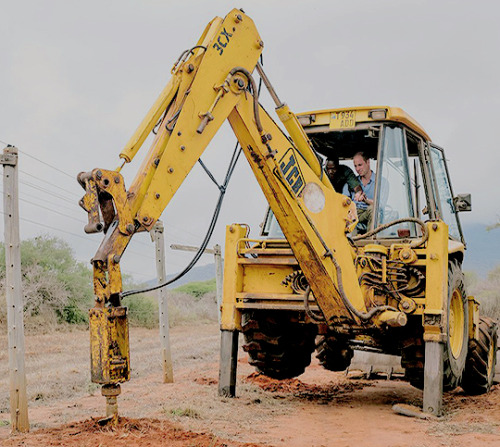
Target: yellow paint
[(263, 277), (213, 70), (296, 131), (200, 96), (334, 118), (456, 323), (109, 345), (436, 289), (473, 318), (233, 279), (307, 233)]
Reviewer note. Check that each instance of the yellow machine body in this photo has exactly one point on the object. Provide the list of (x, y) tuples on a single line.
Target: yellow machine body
[(392, 291)]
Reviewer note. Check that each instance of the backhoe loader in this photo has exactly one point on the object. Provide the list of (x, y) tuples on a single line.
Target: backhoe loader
[(311, 281)]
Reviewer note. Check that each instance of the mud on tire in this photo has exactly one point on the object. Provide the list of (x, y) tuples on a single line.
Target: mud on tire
[(333, 354), (481, 360), (278, 345)]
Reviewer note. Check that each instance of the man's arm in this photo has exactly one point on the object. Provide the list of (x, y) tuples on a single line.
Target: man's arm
[(354, 184)]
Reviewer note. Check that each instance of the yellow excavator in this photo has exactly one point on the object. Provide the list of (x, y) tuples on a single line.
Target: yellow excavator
[(314, 279)]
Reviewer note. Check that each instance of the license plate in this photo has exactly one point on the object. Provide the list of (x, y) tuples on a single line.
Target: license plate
[(343, 120)]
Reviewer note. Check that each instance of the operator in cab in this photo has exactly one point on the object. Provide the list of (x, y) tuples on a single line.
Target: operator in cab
[(341, 177), (364, 202)]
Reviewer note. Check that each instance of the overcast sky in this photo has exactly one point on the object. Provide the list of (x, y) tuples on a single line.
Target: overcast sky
[(76, 78)]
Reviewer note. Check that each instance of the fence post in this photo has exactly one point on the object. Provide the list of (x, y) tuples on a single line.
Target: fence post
[(18, 397), (166, 356)]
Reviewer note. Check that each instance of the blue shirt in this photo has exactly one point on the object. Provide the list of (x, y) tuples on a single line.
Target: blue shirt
[(368, 189)]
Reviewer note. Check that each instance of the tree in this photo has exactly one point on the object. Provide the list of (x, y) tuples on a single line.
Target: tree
[(55, 284)]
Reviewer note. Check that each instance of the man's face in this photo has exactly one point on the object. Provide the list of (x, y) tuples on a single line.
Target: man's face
[(330, 168), (362, 167)]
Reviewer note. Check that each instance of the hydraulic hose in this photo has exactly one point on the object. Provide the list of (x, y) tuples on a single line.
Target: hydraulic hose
[(414, 244), (211, 227), (255, 95)]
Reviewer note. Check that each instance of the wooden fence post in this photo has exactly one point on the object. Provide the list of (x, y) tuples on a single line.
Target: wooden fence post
[(166, 356), (14, 296)]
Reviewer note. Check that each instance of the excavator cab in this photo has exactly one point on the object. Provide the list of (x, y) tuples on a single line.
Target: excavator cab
[(412, 179), (411, 174)]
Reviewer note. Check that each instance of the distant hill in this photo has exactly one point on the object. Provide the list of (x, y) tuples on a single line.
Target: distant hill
[(197, 273), (483, 248)]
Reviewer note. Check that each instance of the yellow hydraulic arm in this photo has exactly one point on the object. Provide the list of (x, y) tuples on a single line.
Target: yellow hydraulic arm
[(210, 83)]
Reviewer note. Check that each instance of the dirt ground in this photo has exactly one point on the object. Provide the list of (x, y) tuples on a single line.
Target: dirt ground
[(319, 409)]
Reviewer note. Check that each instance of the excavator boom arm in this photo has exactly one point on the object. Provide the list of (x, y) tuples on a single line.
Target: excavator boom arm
[(211, 83)]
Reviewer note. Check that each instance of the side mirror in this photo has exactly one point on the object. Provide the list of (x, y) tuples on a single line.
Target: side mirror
[(462, 202)]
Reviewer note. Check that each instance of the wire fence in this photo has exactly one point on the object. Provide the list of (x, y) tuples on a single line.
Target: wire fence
[(64, 203)]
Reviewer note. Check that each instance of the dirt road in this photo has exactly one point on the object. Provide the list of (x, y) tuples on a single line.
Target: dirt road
[(319, 408)]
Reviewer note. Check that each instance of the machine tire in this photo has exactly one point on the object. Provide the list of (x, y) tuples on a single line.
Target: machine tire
[(480, 366), (455, 352), (278, 345), (456, 346), (413, 360), (333, 354)]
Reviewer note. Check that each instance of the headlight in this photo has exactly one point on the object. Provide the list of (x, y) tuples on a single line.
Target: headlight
[(314, 197)]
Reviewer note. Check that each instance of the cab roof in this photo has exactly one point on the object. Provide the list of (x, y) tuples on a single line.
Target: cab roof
[(346, 118)]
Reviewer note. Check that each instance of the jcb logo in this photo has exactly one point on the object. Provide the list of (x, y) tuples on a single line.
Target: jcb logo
[(291, 171), (222, 41)]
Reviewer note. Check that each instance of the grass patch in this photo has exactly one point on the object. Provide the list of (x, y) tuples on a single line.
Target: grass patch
[(91, 388), (4, 423), (450, 429), (185, 412)]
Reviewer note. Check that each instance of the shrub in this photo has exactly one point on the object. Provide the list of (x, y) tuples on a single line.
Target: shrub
[(142, 310), (486, 291), (198, 288), (183, 308), (56, 287)]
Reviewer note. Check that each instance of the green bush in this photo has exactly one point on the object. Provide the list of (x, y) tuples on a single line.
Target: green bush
[(56, 287), (142, 310), (198, 288), (183, 308)]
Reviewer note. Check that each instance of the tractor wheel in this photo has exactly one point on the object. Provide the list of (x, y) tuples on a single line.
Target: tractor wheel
[(455, 352), (480, 366), (333, 354), (455, 348), (413, 359), (278, 345)]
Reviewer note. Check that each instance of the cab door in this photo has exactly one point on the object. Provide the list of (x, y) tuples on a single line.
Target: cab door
[(393, 195), (443, 191)]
